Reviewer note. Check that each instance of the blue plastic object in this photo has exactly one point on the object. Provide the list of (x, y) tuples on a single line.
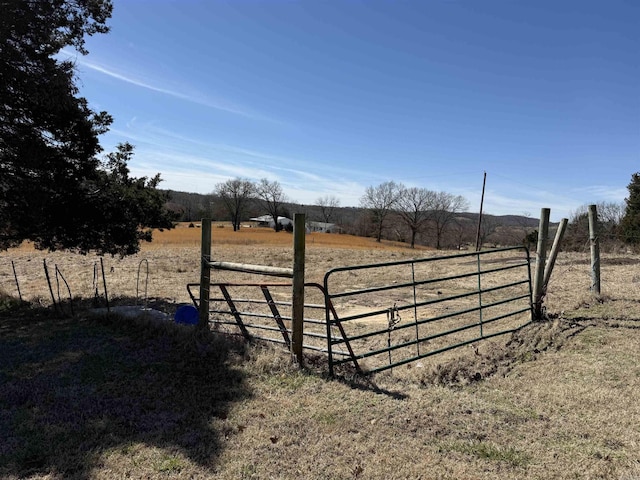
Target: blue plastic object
[(187, 315)]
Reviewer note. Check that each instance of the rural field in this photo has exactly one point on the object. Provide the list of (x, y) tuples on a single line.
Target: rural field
[(92, 397)]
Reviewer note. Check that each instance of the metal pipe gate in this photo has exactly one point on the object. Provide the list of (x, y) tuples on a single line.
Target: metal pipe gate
[(380, 316), (393, 313)]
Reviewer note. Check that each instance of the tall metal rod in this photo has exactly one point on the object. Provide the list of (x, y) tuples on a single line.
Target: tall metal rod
[(104, 285), (58, 272), (46, 274), (96, 282), (484, 181), (15, 276)]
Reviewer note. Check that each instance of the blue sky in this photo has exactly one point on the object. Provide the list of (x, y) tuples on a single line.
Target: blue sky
[(329, 97)]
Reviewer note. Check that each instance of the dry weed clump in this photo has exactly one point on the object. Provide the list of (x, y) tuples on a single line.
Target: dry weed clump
[(493, 357)]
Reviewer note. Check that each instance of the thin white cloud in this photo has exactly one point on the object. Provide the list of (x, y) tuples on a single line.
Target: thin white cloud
[(198, 173), (169, 140), (197, 99), (197, 165), (602, 192), (188, 164)]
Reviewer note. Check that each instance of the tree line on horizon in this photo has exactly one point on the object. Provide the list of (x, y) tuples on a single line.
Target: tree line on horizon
[(388, 211), (417, 216)]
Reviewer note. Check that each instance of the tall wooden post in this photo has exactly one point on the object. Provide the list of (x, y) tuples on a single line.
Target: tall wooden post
[(554, 253), (541, 253), (205, 273), (595, 249), (297, 307)]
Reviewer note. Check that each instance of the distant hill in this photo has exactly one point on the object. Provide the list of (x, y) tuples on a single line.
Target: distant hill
[(194, 206), (505, 220), (497, 230)]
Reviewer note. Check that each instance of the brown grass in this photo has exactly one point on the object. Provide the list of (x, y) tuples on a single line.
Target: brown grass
[(91, 398), (223, 234)]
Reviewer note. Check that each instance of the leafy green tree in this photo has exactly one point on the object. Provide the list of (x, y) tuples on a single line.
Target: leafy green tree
[(124, 204), (54, 190), (630, 224)]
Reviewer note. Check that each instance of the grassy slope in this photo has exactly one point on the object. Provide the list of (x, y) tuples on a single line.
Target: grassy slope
[(90, 398), (103, 399)]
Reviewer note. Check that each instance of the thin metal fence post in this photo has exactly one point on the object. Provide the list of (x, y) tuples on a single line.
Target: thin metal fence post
[(46, 274), (15, 275), (104, 284), (60, 275), (205, 273)]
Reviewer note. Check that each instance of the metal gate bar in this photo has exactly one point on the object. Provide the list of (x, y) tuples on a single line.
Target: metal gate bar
[(502, 295), (234, 311), (248, 321), (276, 314)]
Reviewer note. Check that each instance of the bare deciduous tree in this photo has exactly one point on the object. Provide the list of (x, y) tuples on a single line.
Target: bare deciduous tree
[(488, 226), (235, 195), (460, 231), (610, 215), (328, 205), (271, 198), (445, 207), (380, 201), (414, 205)]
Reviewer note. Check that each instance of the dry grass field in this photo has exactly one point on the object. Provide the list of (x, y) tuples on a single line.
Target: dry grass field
[(85, 397)]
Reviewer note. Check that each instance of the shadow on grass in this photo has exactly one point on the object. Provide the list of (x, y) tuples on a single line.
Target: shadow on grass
[(74, 390)]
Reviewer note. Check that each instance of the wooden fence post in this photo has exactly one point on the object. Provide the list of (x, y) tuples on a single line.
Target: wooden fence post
[(205, 273), (595, 249), (541, 253), (554, 253), (297, 302)]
